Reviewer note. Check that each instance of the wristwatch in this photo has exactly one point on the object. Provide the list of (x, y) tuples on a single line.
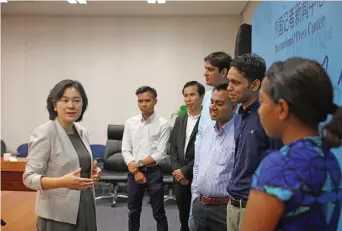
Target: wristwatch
[(141, 165)]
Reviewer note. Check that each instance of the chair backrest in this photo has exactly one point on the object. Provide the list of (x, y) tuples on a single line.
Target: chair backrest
[(22, 150), (113, 159), (166, 165), (3, 148), (115, 132)]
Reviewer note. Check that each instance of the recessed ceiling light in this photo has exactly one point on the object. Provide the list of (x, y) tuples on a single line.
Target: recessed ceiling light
[(82, 1), (151, 1), (72, 1), (3, 1), (161, 1)]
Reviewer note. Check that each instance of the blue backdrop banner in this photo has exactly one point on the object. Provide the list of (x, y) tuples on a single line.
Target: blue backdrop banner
[(310, 29)]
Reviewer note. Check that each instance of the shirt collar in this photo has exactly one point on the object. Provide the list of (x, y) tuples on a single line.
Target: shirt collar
[(251, 108), (149, 119), (209, 91), (191, 116), (225, 128)]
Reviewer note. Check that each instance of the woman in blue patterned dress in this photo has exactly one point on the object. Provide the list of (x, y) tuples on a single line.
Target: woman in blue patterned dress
[(299, 187)]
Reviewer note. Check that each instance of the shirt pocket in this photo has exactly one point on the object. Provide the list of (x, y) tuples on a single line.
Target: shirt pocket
[(153, 134), (257, 143), (256, 138), (225, 156), (253, 133), (61, 192)]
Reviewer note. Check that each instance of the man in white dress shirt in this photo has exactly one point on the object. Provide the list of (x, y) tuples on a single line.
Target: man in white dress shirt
[(144, 145)]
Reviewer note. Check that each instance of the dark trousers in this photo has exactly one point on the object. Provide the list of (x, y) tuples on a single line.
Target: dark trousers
[(155, 189), (183, 200), (209, 217)]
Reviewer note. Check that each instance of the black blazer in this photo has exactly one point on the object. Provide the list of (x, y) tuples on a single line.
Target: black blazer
[(177, 142)]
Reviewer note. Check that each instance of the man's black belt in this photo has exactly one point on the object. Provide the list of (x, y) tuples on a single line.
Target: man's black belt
[(238, 203)]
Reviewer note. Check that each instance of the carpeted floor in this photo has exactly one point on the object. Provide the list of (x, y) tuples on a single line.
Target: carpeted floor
[(116, 219)]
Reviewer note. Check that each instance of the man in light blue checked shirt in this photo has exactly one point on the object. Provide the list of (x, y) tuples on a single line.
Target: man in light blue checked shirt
[(217, 65), (213, 166)]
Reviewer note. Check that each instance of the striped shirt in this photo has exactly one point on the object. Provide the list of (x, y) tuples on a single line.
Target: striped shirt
[(214, 161)]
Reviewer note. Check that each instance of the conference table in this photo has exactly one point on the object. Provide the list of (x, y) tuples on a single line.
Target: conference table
[(17, 201), (12, 175)]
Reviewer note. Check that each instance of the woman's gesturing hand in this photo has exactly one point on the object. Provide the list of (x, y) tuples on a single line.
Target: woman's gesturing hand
[(73, 181), (96, 172)]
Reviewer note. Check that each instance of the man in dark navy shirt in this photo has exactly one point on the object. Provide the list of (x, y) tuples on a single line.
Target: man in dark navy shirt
[(251, 141)]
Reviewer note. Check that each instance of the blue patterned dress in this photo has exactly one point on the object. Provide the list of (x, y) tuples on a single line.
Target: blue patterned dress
[(307, 178)]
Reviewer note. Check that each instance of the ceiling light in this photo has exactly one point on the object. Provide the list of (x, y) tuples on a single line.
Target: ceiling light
[(151, 1), (3, 1), (82, 1), (161, 1), (72, 1)]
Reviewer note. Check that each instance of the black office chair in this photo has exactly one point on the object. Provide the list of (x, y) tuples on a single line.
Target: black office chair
[(167, 176), (115, 171), (3, 148), (168, 180)]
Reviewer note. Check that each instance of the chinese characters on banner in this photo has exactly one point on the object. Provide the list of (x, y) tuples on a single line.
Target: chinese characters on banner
[(295, 15)]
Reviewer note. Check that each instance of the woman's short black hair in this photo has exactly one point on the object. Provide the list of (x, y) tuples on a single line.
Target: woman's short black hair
[(57, 93), (306, 87)]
